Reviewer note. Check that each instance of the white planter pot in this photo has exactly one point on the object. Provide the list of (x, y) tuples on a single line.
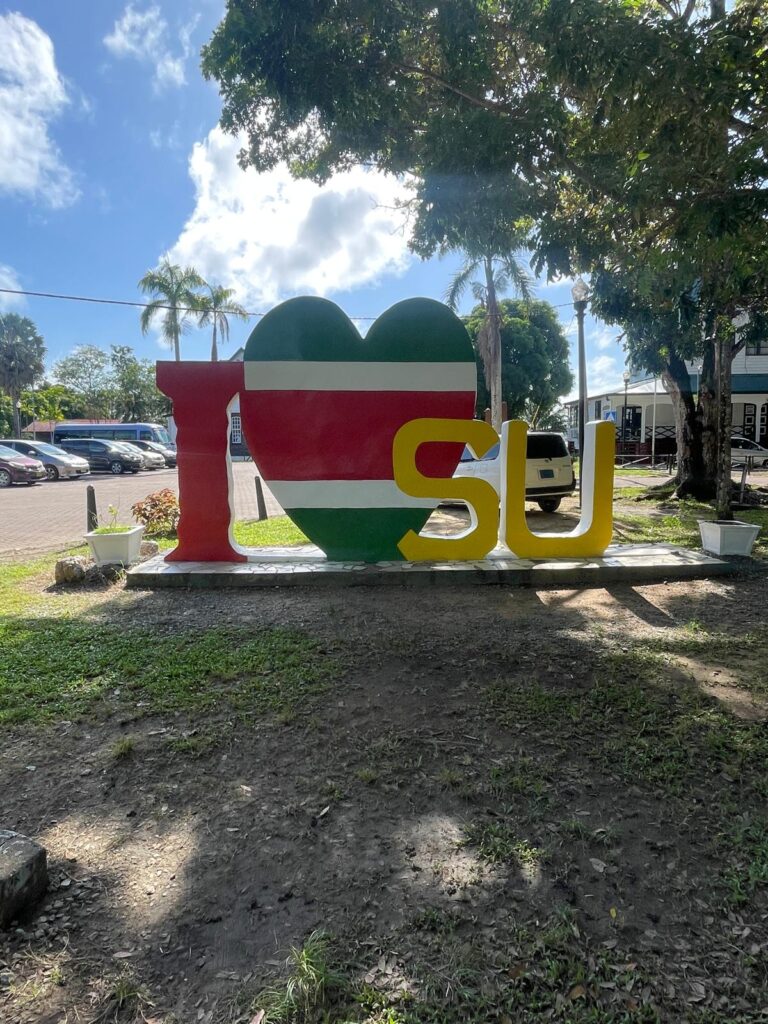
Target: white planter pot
[(727, 536), (116, 548)]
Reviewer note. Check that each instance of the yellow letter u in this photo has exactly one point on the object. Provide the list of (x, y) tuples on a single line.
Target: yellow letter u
[(593, 533)]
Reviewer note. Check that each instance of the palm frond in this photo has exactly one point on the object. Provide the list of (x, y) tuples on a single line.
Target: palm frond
[(459, 282), (518, 276)]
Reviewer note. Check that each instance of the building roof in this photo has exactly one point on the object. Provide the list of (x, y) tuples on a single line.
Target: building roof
[(42, 425)]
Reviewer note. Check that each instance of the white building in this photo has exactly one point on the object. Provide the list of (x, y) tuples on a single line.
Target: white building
[(648, 404)]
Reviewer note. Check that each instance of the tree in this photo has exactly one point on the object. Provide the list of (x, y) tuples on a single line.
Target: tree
[(22, 351), (215, 308), (174, 296), (500, 272), (87, 374), (640, 119), (135, 395), (534, 360)]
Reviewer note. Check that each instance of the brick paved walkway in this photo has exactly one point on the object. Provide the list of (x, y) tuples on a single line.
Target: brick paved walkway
[(50, 516)]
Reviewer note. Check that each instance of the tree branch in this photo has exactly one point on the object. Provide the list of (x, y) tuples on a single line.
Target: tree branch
[(476, 101)]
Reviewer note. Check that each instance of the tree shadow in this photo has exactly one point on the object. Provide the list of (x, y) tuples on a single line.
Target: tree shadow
[(464, 765)]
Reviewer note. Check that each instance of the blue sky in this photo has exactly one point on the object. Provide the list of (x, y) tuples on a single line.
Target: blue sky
[(112, 158)]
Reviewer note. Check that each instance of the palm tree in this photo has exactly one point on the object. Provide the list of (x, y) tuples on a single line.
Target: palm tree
[(501, 272), (214, 308), (173, 290), (22, 351)]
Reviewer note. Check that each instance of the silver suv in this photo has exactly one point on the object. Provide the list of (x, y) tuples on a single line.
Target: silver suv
[(59, 465)]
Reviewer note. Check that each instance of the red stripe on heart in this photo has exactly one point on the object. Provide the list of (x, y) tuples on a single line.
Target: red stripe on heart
[(345, 435)]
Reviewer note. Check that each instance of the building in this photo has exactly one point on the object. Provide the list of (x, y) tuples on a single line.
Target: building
[(648, 406), (238, 449)]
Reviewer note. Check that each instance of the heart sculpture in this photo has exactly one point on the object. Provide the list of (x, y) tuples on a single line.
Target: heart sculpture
[(321, 407)]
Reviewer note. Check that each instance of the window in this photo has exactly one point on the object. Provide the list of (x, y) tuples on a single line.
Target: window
[(236, 433), (546, 446), (598, 408), (145, 435), (758, 348)]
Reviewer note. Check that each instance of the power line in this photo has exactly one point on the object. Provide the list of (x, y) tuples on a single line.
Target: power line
[(145, 305)]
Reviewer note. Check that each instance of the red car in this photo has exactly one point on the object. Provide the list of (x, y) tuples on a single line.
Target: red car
[(19, 469)]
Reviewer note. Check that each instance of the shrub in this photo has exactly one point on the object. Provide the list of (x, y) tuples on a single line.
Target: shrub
[(159, 512)]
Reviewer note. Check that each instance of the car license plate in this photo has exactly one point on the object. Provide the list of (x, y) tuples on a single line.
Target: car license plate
[(547, 474)]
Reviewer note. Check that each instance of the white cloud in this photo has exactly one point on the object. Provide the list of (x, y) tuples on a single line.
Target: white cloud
[(9, 279), (602, 372), (32, 94), (268, 236), (606, 339), (144, 35)]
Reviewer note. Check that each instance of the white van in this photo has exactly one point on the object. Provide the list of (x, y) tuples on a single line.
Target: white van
[(549, 473)]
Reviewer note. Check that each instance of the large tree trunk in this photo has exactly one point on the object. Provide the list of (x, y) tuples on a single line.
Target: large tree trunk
[(493, 369), (724, 359), (214, 349), (692, 477), (707, 408)]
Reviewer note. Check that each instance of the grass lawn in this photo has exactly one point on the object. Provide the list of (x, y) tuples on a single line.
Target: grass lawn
[(385, 806)]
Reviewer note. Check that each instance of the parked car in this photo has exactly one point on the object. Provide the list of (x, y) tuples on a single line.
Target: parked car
[(169, 454), (19, 469), (743, 449), (149, 459), (104, 455), (548, 469), (59, 465)]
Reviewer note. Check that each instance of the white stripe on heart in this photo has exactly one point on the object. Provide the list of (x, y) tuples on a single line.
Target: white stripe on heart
[(345, 494), (299, 375)]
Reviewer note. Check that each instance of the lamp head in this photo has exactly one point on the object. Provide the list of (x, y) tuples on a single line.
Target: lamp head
[(580, 290), (626, 377)]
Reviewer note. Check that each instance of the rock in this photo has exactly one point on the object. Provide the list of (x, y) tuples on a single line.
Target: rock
[(23, 874), (101, 575), (70, 570), (149, 548)]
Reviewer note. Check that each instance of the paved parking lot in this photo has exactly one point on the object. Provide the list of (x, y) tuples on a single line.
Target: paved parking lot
[(52, 515)]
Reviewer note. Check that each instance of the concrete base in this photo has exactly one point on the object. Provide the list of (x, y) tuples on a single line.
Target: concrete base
[(308, 566), (23, 875)]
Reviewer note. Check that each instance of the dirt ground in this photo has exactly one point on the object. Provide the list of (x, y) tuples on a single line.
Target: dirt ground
[(507, 804)]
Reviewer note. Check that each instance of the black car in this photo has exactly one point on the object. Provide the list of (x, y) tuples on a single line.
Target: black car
[(103, 455), (154, 446)]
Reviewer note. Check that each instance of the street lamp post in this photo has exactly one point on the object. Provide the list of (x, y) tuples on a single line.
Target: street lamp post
[(625, 377), (580, 294), (17, 423)]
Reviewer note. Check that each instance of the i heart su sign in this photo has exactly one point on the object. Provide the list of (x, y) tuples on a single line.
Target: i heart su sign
[(358, 439)]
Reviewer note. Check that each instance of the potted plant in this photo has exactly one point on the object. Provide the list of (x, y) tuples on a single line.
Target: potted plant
[(727, 536), (115, 544)]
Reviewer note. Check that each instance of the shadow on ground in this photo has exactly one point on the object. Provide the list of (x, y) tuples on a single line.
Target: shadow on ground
[(525, 805)]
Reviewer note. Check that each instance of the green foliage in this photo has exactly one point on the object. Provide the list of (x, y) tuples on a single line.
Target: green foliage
[(158, 512), (534, 360), (114, 384), (305, 993), (630, 132), (748, 871), (174, 299), (215, 309), (22, 351)]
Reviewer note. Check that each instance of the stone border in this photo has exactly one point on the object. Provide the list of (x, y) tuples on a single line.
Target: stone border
[(307, 566)]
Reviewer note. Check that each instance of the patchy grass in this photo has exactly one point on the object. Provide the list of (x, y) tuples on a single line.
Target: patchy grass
[(52, 669), (641, 723), (682, 527), (55, 664), (303, 996), (252, 533), (748, 870), (625, 493), (497, 842)]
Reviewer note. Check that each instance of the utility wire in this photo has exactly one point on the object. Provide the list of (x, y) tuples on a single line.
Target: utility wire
[(145, 305)]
